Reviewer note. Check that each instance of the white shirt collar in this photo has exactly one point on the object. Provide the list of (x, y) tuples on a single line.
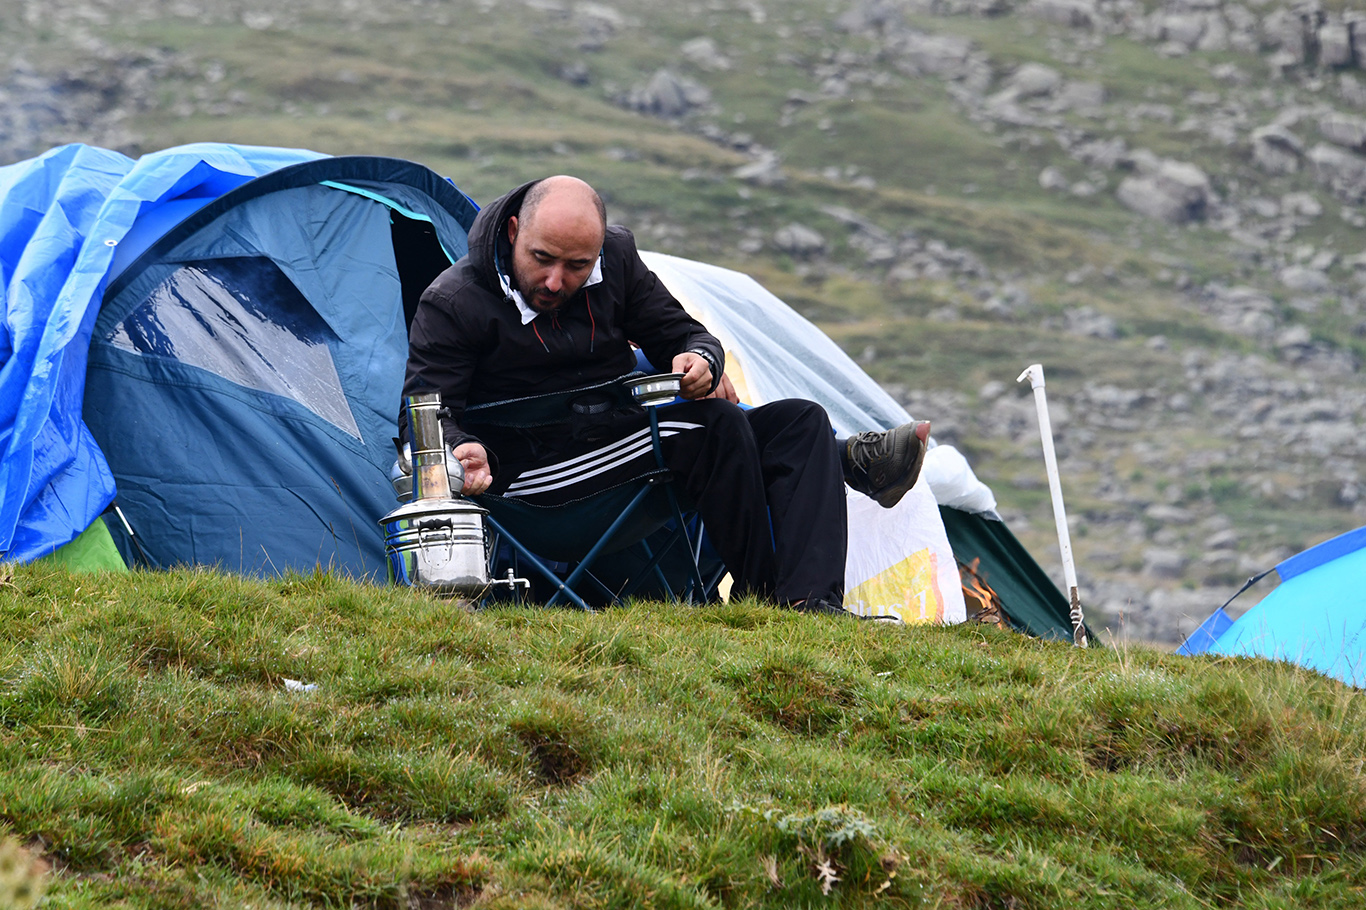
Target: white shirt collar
[(527, 312)]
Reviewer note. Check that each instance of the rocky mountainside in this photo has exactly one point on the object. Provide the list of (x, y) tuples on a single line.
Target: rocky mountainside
[(1164, 203)]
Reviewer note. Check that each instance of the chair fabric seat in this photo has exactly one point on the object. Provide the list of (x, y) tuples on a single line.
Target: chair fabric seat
[(566, 532)]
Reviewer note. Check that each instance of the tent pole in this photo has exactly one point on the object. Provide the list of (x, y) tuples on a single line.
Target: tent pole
[(1035, 374)]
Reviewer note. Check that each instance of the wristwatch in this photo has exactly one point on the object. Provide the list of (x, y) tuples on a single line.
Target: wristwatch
[(711, 362)]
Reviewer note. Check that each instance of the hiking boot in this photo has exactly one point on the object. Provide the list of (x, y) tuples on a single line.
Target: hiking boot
[(884, 466)]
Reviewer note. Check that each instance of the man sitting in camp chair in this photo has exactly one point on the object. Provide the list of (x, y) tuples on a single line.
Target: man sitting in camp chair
[(551, 298)]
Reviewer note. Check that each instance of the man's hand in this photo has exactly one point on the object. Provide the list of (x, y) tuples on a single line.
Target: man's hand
[(475, 460), (725, 390), (696, 381)]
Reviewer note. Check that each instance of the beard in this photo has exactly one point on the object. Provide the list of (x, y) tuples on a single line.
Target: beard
[(544, 301), (541, 299)]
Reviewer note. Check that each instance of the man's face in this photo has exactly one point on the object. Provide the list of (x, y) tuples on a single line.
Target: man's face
[(553, 253)]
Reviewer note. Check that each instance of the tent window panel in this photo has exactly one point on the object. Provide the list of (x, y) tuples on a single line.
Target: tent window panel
[(243, 320)]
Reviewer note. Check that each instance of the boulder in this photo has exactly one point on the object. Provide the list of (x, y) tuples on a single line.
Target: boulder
[(1071, 13), (1344, 130), (1176, 192), (1091, 323), (1301, 205), (1350, 88), (799, 240), (1004, 108), (576, 73), (1335, 45), (932, 55), (667, 95), (1304, 279), (1289, 32), (1050, 178), (1160, 562), (1342, 171), (599, 16), (870, 16), (765, 170), (1185, 29), (1276, 150), (1293, 340), (1216, 35), (1080, 96), (1245, 310), (1226, 539), (1102, 153), (703, 53), (857, 222), (1033, 80)]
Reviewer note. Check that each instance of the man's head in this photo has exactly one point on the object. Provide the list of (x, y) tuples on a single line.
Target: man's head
[(555, 240)]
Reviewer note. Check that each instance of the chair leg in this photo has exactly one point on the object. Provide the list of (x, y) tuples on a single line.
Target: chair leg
[(694, 573), (707, 586), (606, 538), (659, 572), (564, 587), (611, 595)]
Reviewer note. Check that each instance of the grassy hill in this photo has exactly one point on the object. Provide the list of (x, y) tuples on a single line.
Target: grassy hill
[(1205, 375), (185, 740)]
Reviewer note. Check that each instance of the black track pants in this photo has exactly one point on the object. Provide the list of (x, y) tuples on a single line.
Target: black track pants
[(739, 467)]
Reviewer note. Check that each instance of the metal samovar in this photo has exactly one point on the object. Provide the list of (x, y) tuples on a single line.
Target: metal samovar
[(437, 540)]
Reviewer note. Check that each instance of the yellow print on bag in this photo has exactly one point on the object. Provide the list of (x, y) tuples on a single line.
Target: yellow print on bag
[(908, 591)]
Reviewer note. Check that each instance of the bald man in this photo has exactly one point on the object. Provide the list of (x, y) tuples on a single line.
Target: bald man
[(551, 298)]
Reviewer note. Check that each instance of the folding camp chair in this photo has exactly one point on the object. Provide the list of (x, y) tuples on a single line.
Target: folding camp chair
[(628, 533)]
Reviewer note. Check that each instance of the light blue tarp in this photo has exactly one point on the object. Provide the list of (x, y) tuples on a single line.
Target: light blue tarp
[(62, 216), (1316, 616)]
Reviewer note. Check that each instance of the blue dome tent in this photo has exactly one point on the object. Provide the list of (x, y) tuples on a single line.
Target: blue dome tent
[(200, 309), (1316, 616)]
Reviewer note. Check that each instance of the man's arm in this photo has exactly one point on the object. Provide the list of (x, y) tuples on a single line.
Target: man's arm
[(440, 358), (657, 322)]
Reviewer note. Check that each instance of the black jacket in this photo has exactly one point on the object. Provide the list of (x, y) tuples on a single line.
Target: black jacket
[(467, 340)]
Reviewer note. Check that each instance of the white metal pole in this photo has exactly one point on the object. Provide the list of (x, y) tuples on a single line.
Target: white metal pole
[(1035, 374)]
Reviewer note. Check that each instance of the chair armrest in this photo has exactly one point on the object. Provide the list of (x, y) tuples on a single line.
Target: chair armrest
[(553, 408)]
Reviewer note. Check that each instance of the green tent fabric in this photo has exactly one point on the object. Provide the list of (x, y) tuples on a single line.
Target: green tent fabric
[(93, 550), (1030, 600)]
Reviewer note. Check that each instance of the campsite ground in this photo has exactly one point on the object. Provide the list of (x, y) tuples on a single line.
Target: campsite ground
[(948, 211), (187, 739)]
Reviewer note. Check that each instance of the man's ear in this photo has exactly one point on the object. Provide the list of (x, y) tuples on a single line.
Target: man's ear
[(512, 229)]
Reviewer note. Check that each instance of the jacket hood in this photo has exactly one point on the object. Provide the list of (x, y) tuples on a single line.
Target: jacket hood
[(488, 237)]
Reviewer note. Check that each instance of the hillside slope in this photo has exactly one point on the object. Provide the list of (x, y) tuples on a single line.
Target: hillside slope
[(1162, 204), (184, 740)]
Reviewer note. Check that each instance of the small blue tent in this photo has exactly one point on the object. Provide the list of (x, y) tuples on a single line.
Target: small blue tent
[(201, 309), (1316, 616)]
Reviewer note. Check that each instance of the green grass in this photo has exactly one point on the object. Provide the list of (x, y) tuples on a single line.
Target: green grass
[(151, 755)]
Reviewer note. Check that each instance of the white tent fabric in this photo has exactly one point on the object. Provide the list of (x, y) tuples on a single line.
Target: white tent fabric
[(773, 352), (900, 562), (951, 480)]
